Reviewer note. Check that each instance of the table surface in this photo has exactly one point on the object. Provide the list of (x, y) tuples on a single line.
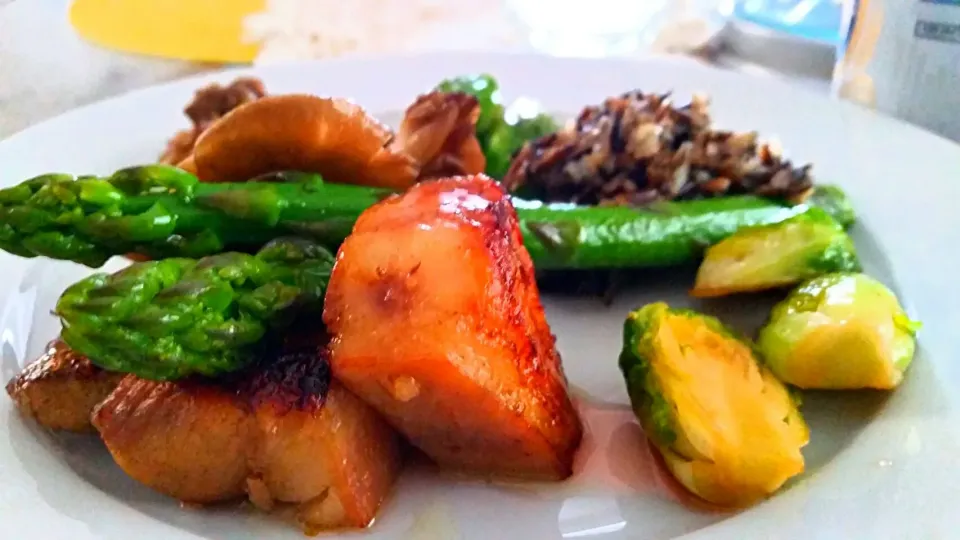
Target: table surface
[(46, 69)]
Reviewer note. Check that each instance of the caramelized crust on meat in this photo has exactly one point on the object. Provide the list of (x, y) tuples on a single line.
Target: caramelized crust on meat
[(337, 465), (60, 389), (437, 323), (282, 433)]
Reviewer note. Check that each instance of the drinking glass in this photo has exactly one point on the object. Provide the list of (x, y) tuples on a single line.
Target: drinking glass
[(588, 27)]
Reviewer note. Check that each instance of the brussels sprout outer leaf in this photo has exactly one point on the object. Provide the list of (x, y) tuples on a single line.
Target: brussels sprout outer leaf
[(834, 201), (655, 413)]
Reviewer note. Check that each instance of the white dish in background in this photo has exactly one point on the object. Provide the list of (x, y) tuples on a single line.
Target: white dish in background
[(878, 466)]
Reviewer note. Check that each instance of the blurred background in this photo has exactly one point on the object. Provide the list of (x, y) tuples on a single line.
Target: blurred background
[(59, 54)]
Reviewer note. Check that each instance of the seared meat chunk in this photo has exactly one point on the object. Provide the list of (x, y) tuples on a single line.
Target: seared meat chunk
[(60, 389), (281, 433), (185, 440), (437, 323)]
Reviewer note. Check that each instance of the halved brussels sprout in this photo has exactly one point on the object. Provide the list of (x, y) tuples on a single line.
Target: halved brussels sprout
[(772, 256), (839, 331), (727, 429)]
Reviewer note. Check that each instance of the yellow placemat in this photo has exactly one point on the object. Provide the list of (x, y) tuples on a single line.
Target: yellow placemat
[(196, 30)]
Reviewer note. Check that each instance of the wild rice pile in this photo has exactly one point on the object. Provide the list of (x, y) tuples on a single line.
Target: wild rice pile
[(638, 148)]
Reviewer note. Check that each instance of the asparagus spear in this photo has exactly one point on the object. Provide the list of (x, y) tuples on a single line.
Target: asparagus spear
[(162, 211), (171, 318)]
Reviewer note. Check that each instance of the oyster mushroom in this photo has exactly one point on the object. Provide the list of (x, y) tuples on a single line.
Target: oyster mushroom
[(330, 136), (208, 105), (439, 131), (341, 141)]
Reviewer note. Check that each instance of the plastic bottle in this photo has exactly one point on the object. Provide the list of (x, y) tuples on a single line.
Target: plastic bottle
[(902, 58)]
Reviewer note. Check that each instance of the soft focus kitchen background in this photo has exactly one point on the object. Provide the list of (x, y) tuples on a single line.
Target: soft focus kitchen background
[(57, 54)]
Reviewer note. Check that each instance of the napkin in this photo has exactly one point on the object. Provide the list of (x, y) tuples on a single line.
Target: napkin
[(260, 31), (195, 30), (243, 31)]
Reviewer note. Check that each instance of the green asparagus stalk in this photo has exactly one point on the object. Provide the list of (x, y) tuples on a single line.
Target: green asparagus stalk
[(581, 237), (176, 317), (162, 211)]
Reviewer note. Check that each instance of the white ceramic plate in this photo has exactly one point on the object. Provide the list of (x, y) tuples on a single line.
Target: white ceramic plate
[(878, 466)]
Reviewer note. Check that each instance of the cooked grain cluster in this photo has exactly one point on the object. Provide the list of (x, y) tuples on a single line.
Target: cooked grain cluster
[(638, 148)]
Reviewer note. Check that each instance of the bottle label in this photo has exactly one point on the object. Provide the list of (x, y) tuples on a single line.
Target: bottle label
[(902, 57), (937, 31)]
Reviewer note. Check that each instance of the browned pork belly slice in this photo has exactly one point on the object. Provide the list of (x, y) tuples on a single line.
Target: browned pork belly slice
[(60, 389), (437, 322), (281, 433), (186, 440)]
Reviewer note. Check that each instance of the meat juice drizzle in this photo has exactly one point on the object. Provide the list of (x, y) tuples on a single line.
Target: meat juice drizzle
[(615, 458), (434, 521)]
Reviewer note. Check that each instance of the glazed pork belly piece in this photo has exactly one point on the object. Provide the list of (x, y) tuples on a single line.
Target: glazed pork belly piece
[(60, 389), (281, 433), (436, 321)]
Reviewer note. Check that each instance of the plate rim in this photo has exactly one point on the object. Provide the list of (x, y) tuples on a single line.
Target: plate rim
[(365, 61)]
